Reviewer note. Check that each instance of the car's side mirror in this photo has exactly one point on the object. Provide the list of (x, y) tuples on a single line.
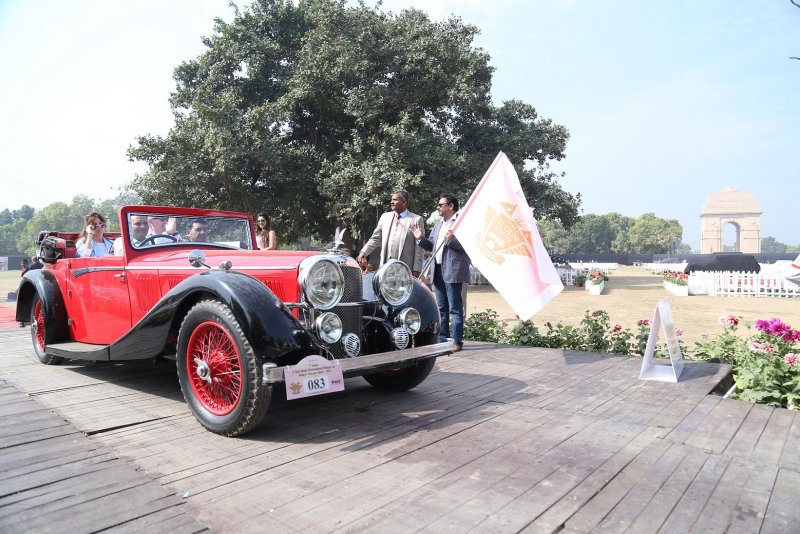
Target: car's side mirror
[(197, 259)]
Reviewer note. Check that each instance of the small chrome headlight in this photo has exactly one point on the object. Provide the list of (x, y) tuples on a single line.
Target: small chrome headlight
[(410, 320), (393, 282), (328, 327), (322, 282)]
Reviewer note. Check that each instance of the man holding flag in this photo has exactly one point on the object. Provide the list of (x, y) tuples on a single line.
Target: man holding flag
[(497, 231), (450, 265)]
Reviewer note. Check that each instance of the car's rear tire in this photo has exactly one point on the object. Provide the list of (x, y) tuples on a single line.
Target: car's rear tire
[(219, 374), (39, 331), (402, 379)]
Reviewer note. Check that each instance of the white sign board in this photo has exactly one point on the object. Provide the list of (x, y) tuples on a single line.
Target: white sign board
[(662, 319), (313, 375)]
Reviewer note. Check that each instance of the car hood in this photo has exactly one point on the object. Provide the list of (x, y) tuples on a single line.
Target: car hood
[(246, 260)]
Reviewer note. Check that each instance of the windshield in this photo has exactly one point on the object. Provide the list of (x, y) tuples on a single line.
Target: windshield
[(159, 229)]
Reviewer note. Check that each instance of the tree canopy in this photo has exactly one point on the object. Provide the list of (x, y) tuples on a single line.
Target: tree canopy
[(614, 233), (317, 110), (20, 228)]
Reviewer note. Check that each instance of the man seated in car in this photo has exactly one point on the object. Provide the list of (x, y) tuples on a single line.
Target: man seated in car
[(158, 226), (197, 231), (138, 227)]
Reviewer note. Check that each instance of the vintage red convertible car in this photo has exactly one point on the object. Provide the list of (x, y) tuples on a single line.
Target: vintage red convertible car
[(235, 319)]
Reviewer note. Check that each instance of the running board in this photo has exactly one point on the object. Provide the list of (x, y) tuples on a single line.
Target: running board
[(79, 351)]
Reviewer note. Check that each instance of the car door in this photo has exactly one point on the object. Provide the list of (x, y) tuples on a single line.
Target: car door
[(97, 300)]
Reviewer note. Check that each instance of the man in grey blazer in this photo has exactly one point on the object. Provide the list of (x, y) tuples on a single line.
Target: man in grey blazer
[(394, 237), (450, 266)]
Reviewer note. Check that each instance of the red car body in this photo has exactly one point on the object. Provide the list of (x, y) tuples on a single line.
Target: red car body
[(231, 316)]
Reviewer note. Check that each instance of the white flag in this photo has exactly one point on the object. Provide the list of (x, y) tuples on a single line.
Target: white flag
[(497, 230)]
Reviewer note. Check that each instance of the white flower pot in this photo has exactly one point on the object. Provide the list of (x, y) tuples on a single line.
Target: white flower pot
[(596, 289), (678, 291)]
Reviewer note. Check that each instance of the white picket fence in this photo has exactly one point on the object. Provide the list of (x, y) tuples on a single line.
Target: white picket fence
[(767, 283), (592, 267)]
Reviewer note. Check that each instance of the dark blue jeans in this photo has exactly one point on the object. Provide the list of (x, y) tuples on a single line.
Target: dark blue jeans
[(448, 298)]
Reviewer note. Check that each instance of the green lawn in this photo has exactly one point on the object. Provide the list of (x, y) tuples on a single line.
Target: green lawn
[(9, 280)]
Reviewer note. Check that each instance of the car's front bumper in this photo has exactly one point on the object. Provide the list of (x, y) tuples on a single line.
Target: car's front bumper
[(365, 364)]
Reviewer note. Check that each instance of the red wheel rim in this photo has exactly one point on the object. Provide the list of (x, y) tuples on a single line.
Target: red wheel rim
[(215, 368), (38, 325)]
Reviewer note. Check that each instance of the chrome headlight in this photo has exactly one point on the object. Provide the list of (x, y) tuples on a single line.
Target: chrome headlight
[(322, 282), (410, 320), (328, 327), (393, 282)]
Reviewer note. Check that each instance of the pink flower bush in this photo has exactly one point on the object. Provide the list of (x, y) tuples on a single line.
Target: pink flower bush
[(791, 359), (776, 327), (763, 348), (729, 320), (643, 322), (617, 328)]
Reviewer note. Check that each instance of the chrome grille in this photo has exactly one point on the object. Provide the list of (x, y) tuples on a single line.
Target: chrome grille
[(350, 315), (352, 284)]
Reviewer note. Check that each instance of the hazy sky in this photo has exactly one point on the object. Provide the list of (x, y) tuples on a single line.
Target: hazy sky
[(666, 102)]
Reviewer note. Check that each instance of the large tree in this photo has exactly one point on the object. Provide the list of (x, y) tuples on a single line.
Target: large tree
[(317, 110), (770, 244), (653, 235)]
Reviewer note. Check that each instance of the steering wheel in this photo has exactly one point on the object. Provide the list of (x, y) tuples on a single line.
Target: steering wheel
[(152, 239)]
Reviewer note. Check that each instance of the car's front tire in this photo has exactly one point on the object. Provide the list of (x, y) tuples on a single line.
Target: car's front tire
[(402, 379), (39, 332), (219, 374)]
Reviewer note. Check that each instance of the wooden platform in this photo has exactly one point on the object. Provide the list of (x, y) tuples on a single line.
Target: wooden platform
[(498, 439)]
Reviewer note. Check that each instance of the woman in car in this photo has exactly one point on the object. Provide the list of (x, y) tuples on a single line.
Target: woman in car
[(92, 243), (265, 235)]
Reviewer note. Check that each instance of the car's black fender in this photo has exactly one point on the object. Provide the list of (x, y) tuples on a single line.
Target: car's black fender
[(269, 326), (43, 282), (425, 303)]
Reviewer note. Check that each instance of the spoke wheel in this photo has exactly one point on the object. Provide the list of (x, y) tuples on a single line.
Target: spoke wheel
[(219, 373), (38, 326), (215, 368), (39, 333)]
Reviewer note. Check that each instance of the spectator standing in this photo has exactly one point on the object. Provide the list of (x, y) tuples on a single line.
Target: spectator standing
[(23, 265), (450, 269), (394, 237), (265, 235), (91, 242), (35, 264)]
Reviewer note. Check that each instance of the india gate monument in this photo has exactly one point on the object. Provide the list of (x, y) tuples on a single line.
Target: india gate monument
[(734, 207)]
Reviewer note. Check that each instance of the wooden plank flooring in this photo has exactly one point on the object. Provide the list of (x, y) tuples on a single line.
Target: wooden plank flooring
[(498, 439)]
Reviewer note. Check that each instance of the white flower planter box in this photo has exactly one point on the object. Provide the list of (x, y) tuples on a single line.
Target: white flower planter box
[(596, 289), (678, 291)]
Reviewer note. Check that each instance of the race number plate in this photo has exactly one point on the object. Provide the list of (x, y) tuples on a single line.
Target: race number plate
[(313, 375)]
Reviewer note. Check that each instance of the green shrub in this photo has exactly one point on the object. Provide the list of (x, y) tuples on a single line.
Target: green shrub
[(485, 326), (526, 334)]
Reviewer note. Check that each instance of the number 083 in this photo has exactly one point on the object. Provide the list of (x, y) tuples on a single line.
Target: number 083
[(315, 385)]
